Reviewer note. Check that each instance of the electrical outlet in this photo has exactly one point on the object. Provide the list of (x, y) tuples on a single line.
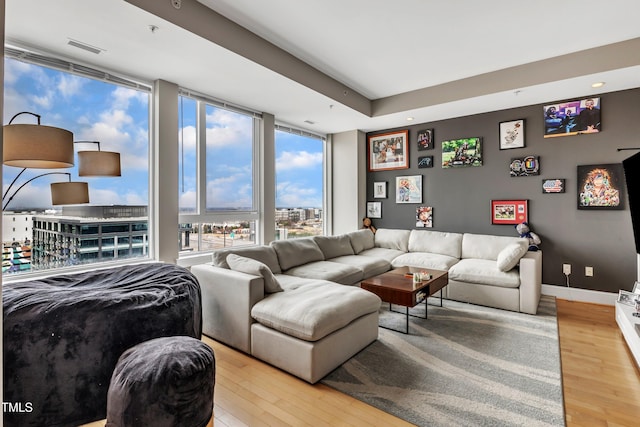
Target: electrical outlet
[(566, 269), (588, 271)]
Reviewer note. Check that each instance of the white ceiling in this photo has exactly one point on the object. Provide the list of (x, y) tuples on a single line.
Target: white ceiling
[(380, 49)]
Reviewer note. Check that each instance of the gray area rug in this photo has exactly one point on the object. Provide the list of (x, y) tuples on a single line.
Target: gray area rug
[(465, 365)]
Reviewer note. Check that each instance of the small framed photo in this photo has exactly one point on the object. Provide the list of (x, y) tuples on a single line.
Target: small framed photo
[(636, 288), (388, 151), (425, 139), (509, 211), (425, 162), (512, 134), (380, 190), (409, 189), (424, 216), (524, 166), (627, 298), (374, 209), (553, 185)]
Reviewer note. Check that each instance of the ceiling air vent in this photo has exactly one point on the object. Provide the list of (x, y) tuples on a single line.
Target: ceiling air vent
[(85, 46)]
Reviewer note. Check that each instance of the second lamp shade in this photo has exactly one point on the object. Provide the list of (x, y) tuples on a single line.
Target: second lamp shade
[(98, 163)]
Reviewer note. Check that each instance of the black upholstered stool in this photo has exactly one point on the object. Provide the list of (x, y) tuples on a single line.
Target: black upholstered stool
[(163, 382)]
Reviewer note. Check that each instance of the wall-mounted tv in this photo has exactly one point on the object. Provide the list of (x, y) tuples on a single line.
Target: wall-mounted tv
[(632, 177)]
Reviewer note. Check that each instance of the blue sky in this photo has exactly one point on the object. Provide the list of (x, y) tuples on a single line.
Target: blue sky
[(118, 118)]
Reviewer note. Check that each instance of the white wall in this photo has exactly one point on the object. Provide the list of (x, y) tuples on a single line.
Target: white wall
[(348, 181)]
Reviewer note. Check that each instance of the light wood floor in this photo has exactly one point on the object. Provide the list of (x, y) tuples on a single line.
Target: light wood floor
[(600, 381)]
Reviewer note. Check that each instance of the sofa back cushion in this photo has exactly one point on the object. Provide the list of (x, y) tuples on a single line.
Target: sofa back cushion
[(436, 242), (256, 268), (484, 246), (264, 254), (361, 240), (392, 239), (334, 246), (294, 252)]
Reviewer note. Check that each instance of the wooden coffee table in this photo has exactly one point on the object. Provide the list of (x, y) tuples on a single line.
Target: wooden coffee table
[(396, 288)]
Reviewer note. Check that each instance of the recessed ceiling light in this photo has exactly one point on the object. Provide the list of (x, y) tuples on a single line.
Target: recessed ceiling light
[(409, 118), (597, 85), (310, 122)]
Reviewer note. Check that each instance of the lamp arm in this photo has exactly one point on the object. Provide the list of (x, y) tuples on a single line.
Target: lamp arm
[(13, 182), (35, 177), (25, 112), (88, 142)]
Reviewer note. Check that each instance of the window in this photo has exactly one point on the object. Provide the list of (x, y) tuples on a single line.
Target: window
[(93, 109), (299, 184), (218, 168)]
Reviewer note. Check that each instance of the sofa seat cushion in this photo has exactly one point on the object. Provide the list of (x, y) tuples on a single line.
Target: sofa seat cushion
[(425, 260), (289, 283), (484, 272), (382, 253), (326, 270), (294, 252), (314, 311), (370, 266)]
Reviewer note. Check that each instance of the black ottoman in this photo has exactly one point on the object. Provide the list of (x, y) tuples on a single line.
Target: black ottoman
[(164, 382)]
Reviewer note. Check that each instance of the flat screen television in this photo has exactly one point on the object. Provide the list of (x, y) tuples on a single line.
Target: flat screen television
[(632, 177)]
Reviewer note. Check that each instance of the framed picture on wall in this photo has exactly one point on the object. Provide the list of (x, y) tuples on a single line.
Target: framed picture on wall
[(424, 216), (524, 166), (425, 162), (601, 186), (374, 209), (462, 152), (409, 189), (388, 151), (509, 211), (425, 139), (553, 185), (511, 134), (572, 117), (380, 190)]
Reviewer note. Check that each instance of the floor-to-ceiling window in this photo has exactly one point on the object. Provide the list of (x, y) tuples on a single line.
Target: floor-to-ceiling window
[(110, 110)]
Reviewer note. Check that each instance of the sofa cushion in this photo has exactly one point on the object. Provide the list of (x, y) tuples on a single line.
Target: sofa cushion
[(392, 239), (368, 265), (256, 268), (425, 260), (264, 254), (314, 311), (326, 270), (294, 252), (436, 242), (334, 246), (510, 255), (361, 240), (484, 272), (382, 253), (485, 246)]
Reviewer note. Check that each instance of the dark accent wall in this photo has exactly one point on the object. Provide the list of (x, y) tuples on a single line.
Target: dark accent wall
[(461, 197)]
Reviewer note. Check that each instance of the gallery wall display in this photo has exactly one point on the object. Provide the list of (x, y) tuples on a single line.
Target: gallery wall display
[(424, 216), (380, 190), (509, 211), (425, 139), (409, 189), (553, 185), (425, 162), (462, 152), (511, 134), (572, 117), (524, 166), (374, 209), (601, 186), (388, 151)]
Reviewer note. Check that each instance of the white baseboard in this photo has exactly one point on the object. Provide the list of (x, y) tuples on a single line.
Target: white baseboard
[(582, 295)]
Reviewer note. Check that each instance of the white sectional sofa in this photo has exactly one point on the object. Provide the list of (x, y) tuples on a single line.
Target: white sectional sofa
[(287, 304)]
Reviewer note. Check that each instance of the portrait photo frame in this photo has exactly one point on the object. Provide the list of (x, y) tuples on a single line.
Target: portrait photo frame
[(509, 211), (581, 116), (409, 189), (388, 151), (380, 190), (511, 134), (424, 217), (374, 209), (425, 139), (627, 298), (601, 186)]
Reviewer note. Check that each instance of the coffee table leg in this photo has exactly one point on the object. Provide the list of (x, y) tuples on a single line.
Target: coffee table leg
[(407, 318)]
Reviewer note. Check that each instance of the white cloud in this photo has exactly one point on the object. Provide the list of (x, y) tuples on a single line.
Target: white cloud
[(122, 97), (298, 160), (229, 192), (188, 133), (70, 85), (229, 129), (292, 195)]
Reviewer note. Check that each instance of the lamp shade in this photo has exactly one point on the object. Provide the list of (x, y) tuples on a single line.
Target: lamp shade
[(69, 193), (37, 146), (98, 163)]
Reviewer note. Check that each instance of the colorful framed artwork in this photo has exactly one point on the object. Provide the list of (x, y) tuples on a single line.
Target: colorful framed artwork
[(380, 190), (511, 134), (553, 185), (425, 139), (388, 151), (374, 209), (601, 186), (572, 117), (524, 166), (425, 162), (509, 211), (424, 217), (462, 152), (409, 189)]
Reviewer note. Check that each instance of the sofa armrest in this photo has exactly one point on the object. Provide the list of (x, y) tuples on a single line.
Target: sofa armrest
[(530, 281), (227, 299)]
